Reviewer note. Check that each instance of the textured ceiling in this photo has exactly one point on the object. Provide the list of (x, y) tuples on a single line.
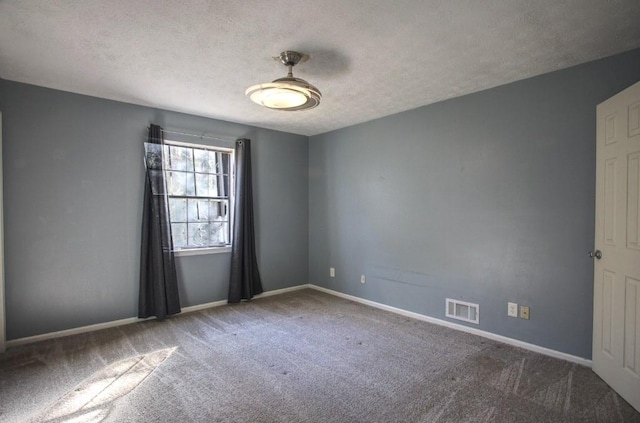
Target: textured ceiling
[(370, 58)]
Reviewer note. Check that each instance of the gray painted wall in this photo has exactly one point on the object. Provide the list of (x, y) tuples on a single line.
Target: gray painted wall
[(73, 185), (486, 198)]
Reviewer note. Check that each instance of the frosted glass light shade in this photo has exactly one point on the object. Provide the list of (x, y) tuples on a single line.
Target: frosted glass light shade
[(289, 94), (274, 96)]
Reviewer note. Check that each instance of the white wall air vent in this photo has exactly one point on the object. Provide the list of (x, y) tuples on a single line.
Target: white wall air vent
[(463, 310)]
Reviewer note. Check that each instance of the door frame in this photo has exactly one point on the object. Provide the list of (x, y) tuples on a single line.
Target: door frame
[(2, 313)]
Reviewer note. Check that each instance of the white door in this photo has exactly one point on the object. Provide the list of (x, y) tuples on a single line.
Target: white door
[(616, 313)]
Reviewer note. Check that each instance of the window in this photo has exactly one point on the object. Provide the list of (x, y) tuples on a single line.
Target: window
[(198, 184)]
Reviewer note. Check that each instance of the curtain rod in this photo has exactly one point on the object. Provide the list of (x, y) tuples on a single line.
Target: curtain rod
[(199, 136)]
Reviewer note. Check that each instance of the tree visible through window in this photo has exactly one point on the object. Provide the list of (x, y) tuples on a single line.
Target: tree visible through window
[(198, 187)]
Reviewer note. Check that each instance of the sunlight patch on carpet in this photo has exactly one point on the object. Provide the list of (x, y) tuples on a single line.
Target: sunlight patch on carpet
[(90, 400)]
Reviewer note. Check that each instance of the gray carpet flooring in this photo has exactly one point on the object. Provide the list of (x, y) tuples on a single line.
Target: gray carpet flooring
[(303, 356)]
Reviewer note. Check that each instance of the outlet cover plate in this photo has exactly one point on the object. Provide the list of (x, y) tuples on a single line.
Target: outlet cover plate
[(512, 310), (524, 312), (332, 272)]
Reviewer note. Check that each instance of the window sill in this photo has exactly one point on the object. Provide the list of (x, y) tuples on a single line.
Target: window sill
[(201, 251)]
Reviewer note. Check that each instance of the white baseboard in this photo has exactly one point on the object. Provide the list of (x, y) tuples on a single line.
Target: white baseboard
[(128, 321), (489, 335), (74, 331), (282, 291), (411, 314)]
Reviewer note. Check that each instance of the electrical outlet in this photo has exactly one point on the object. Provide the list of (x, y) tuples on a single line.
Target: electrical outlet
[(512, 310), (362, 279), (332, 272), (524, 312)]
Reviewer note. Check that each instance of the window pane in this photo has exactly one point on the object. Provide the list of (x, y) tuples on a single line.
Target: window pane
[(176, 183), (213, 186), (201, 160), (178, 209), (190, 189), (216, 182), (202, 185), (180, 158), (219, 233), (198, 210), (179, 235), (225, 181), (219, 210), (198, 234), (166, 156), (213, 162), (190, 159), (222, 163)]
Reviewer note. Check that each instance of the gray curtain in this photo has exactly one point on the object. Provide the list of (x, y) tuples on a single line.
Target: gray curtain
[(158, 281), (245, 277)]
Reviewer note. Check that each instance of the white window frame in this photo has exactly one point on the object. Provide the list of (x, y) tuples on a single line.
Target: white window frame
[(182, 252)]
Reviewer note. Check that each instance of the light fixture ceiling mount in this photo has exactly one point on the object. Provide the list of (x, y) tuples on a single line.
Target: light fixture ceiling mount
[(288, 93)]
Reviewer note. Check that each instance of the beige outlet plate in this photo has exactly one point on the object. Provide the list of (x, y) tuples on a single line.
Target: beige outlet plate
[(524, 312)]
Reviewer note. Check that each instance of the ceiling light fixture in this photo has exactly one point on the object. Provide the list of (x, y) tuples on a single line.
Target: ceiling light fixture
[(288, 93)]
